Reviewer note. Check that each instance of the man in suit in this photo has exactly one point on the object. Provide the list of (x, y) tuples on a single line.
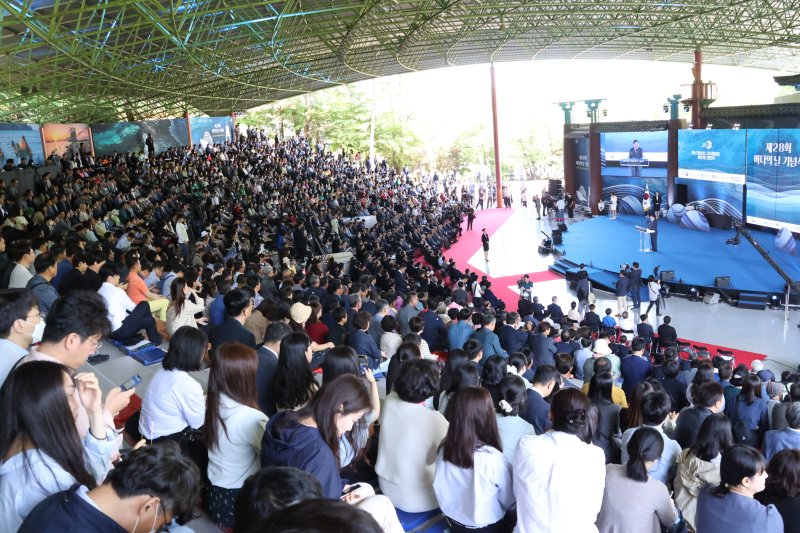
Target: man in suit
[(623, 285), (407, 312), (434, 333), (400, 283), (592, 319), (710, 401), (538, 309), (667, 336), (268, 365), (542, 347), (362, 342), (653, 225), (488, 338), (512, 339), (556, 313), (636, 152), (644, 329), (537, 410), (460, 332), (782, 439), (634, 368), (238, 306), (635, 284), (565, 345)]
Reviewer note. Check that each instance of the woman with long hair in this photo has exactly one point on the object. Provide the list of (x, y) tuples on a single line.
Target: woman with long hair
[(698, 466), (309, 439), (473, 481), (455, 358), (783, 486), (555, 470), (495, 368), (341, 361), (294, 383), (41, 452), (704, 374), (631, 416), (607, 434), (512, 427), (316, 329), (749, 411), (632, 500), (174, 400), (730, 506), (184, 304), (233, 428), (465, 375)]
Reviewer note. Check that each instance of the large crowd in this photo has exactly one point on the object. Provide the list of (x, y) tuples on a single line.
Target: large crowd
[(353, 369)]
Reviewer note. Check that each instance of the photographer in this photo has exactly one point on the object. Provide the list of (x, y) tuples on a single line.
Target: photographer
[(526, 287)]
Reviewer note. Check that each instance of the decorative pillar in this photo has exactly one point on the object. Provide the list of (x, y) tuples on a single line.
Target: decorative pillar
[(498, 177)]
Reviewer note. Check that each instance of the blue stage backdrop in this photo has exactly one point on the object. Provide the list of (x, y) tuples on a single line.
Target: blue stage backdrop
[(18, 141), (582, 170), (711, 163), (773, 178), (124, 137), (211, 130), (633, 163)]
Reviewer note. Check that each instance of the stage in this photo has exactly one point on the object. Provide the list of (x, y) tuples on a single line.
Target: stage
[(696, 257)]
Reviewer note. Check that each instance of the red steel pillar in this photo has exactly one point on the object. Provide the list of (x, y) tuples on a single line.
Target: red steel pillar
[(498, 177), (697, 89)]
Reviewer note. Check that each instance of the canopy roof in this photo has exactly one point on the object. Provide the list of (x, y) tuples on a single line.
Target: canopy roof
[(69, 60)]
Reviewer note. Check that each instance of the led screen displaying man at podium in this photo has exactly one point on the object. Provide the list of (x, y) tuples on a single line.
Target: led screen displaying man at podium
[(634, 154)]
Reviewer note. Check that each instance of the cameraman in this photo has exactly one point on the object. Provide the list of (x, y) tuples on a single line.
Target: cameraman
[(526, 287)]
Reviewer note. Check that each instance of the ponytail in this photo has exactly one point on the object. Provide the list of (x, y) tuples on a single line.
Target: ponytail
[(645, 445)]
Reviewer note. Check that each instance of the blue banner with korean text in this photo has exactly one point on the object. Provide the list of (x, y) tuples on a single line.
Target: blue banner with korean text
[(582, 194), (773, 178), (711, 163), (211, 130)]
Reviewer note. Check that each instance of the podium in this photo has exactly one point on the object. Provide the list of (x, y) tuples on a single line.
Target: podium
[(644, 238)]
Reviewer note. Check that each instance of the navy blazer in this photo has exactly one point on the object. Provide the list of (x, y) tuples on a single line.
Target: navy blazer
[(434, 333), (537, 411), (491, 343), (645, 331), (363, 343), (634, 370), (512, 340), (542, 349)]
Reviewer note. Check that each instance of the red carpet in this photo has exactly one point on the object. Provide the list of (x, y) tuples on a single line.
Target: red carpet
[(470, 242)]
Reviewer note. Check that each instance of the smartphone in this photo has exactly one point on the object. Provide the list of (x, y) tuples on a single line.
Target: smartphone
[(98, 358), (131, 383), (351, 488), (362, 369)]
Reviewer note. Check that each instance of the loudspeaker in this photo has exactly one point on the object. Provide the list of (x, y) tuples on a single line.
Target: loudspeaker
[(722, 282), (544, 250), (562, 227), (681, 193), (554, 187), (557, 237), (711, 298), (667, 276)]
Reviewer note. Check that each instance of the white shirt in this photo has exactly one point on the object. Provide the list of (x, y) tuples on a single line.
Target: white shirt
[(477, 496), (173, 401), (19, 277), (237, 455), (512, 428), (23, 486), (180, 231), (118, 304), (558, 482)]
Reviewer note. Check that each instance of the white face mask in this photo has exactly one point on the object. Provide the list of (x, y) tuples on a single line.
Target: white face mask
[(152, 527), (38, 331)]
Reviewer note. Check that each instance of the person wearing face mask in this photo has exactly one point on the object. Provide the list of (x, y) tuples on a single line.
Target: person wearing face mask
[(154, 486), (21, 324), (40, 448)]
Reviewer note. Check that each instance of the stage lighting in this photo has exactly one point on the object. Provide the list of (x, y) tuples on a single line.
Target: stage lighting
[(686, 108), (665, 107), (736, 126), (774, 302), (689, 126), (709, 126)]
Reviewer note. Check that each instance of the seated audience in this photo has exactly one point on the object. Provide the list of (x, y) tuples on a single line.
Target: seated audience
[(789, 438), (409, 437), (294, 384), (510, 425), (709, 401), (537, 410), (21, 324), (184, 304), (126, 317), (749, 413), (607, 433), (783, 487), (555, 470), (730, 506), (632, 499)]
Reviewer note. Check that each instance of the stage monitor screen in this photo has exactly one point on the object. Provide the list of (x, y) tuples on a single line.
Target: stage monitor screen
[(634, 167), (711, 163), (21, 141), (773, 178), (123, 137), (581, 163)]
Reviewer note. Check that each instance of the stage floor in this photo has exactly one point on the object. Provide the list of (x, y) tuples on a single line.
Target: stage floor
[(696, 257), (515, 236)]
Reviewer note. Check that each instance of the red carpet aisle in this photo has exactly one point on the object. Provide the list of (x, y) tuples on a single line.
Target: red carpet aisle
[(470, 244)]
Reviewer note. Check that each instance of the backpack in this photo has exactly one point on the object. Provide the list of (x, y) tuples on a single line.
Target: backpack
[(742, 434)]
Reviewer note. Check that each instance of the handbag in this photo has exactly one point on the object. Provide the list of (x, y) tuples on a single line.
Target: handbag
[(742, 434)]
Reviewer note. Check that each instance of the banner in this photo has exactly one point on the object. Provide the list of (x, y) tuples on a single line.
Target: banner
[(211, 130), (123, 137), (582, 186), (773, 178), (712, 165), (65, 139), (21, 141)]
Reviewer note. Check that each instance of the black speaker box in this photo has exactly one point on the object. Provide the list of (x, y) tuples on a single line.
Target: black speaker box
[(681, 193), (557, 237), (544, 250)]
